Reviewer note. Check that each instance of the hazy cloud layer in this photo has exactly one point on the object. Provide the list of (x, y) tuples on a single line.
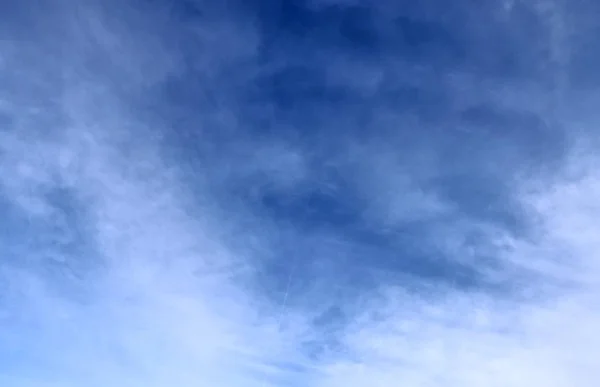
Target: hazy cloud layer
[(322, 193)]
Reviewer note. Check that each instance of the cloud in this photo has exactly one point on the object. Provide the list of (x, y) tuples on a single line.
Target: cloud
[(158, 302), (160, 299), (193, 197), (539, 330), (536, 330)]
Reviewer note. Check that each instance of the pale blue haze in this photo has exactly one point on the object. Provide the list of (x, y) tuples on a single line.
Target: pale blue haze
[(317, 193)]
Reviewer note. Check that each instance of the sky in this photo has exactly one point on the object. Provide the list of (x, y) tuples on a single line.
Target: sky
[(288, 193)]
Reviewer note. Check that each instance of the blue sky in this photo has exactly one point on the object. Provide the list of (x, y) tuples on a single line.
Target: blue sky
[(312, 193)]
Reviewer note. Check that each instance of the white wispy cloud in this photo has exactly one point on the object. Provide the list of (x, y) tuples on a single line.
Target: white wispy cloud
[(540, 330), (163, 301), (116, 269)]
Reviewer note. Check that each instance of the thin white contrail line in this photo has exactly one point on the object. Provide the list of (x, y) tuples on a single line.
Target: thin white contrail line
[(283, 305)]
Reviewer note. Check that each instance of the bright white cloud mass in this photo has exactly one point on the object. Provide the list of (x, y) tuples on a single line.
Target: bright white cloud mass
[(299, 193)]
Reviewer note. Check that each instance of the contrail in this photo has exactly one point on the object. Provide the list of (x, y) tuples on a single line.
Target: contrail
[(283, 306)]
